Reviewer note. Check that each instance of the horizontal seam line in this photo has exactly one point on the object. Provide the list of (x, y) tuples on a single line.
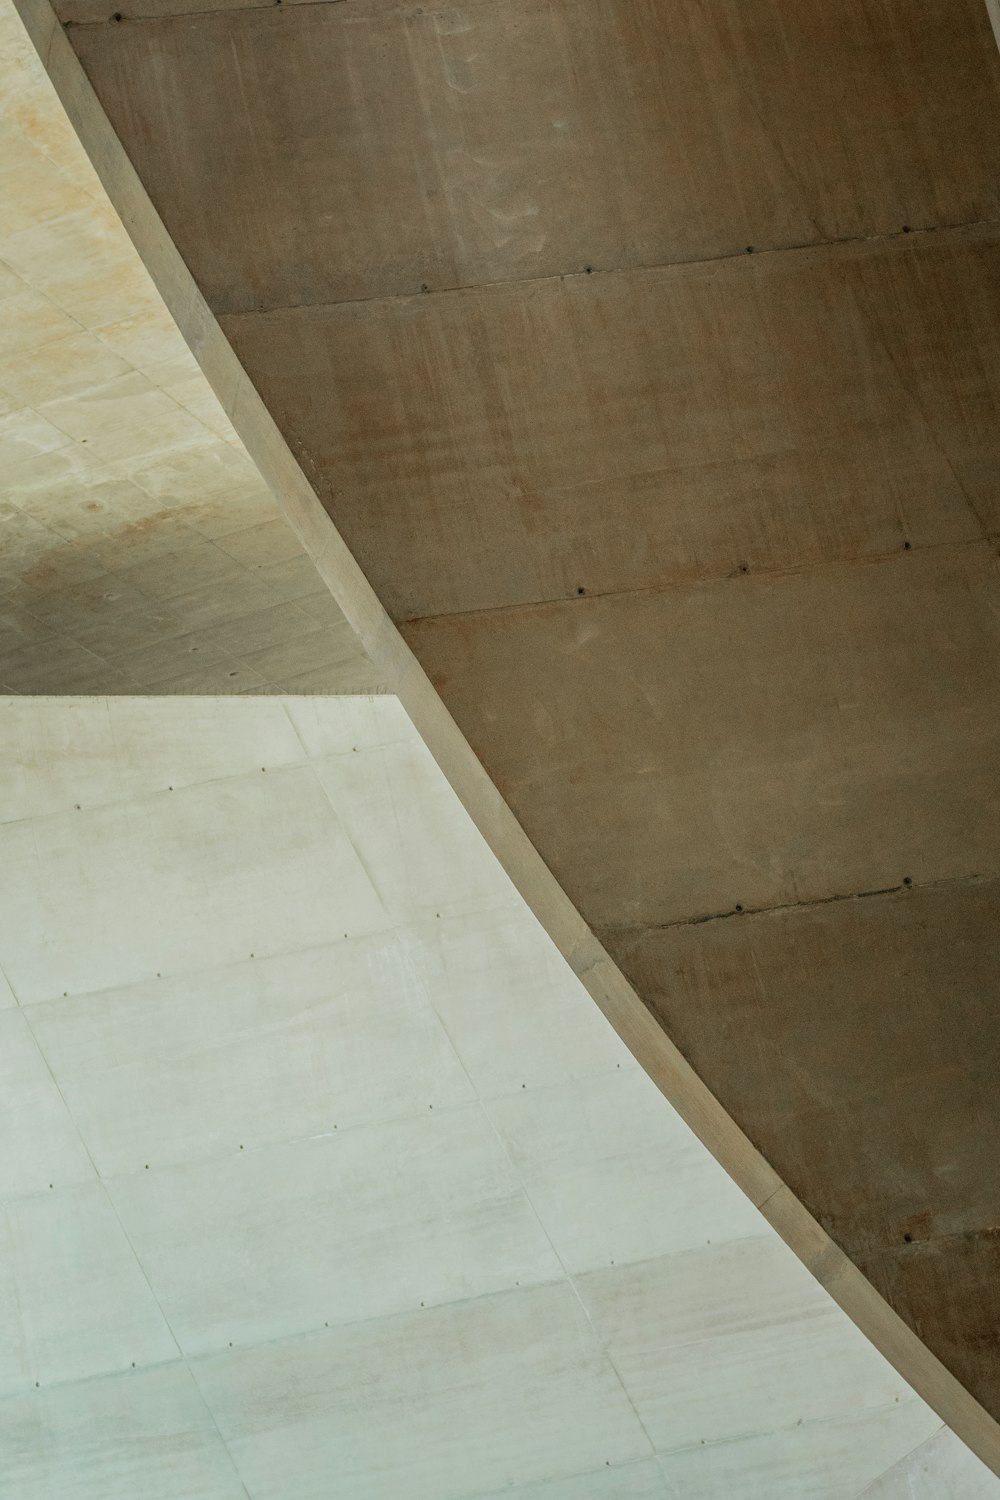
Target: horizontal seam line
[(644, 268), (187, 15), (737, 575), (785, 906)]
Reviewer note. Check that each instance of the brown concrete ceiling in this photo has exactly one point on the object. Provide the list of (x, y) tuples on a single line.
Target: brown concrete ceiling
[(646, 356)]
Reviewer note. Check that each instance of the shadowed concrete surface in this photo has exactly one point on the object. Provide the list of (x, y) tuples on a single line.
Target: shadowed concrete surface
[(321, 1174), (698, 545), (140, 550)]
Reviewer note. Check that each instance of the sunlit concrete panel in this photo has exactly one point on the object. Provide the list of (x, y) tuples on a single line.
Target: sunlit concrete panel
[(344, 1030), (38, 1136), (147, 1433), (511, 1388), (76, 1303), (203, 891), (348, 1227)]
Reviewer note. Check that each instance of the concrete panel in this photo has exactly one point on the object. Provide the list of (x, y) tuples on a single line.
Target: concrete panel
[(695, 422), (873, 1004), (336, 1035), (100, 898), (359, 724), (685, 1357), (746, 744), (543, 1034), (343, 1228), (600, 1202), (73, 1301), (397, 838), (636, 1481), (501, 1391), (148, 1433), (59, 756), (39, 1145), (940, 1469), (789, 1465), (333, 153)]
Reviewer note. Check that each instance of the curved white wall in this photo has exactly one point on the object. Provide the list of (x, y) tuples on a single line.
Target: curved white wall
[(322, 1175)]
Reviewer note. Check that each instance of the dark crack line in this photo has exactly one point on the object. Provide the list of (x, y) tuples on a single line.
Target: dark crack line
[(706, 581), (905, 884)]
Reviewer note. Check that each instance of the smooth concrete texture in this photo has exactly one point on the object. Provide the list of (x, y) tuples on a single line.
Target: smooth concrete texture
[(773, 782), (940, 1469), (140, 550), (643, 361), (749, 415), (460, 145), (300, 1196)]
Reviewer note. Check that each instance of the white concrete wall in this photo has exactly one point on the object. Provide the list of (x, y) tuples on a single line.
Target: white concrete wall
[(321, 1175)]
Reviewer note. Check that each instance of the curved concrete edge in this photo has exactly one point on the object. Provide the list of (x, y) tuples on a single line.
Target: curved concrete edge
[(993, 7), (405, 678), (939, 1469)]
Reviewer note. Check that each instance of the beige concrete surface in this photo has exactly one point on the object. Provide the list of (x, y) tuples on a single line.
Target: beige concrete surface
[(321, 1174), (140, 550)]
